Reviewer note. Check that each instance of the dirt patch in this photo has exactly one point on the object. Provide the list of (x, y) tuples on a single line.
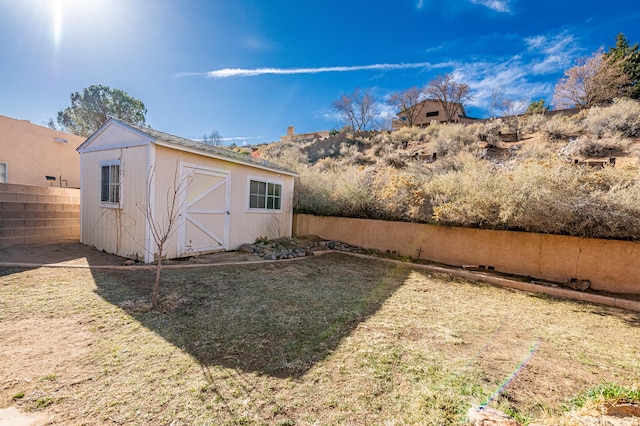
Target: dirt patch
[(37, 350)]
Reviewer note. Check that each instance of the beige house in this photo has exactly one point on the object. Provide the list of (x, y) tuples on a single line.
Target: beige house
[(222, 198), (37, 155), (291, 136), (430, 110)]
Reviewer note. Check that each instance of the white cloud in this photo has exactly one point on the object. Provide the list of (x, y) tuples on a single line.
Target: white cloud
[(244, 72), (511, 77), (502, 6), (553, 53)]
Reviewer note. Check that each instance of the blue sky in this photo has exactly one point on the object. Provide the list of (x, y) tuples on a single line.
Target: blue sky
[(250, 68)]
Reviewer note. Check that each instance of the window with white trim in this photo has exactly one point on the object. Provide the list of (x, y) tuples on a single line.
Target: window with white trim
[(265, 195), (110, 182), (3, 173)]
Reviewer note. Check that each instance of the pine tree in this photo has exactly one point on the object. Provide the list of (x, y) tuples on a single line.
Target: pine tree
[(630, 59)]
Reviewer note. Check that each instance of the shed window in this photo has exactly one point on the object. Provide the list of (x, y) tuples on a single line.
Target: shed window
[(265, 195), (433, 113), (3, 173), (110, 183)]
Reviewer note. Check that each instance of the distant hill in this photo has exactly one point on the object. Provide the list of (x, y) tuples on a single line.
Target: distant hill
[(564, 174)]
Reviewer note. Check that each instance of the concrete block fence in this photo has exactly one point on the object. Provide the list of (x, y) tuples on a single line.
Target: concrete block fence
[(38, 214)]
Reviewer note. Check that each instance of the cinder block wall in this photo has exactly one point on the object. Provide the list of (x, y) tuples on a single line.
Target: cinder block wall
[(38, 214)]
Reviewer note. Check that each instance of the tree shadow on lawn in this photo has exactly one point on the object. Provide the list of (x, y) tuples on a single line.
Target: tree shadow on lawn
[(71, 253), (278, 319)]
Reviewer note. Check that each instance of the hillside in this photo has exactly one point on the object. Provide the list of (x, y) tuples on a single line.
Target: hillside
[(565, 174)]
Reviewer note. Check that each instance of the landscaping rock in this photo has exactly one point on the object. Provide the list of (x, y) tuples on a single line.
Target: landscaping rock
[(246, 248), (287, 248), (129, 262), (579, 285), (487, 416)]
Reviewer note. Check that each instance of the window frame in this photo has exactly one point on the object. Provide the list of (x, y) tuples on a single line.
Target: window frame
[(268, 198), (116, 185), (6, 172)]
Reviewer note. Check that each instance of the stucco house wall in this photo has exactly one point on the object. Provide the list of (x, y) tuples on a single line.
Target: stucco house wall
[(430, 110), (211, 194), (29, 153)]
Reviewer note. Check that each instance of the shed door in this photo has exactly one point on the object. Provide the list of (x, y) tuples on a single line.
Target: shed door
[(204, 219)]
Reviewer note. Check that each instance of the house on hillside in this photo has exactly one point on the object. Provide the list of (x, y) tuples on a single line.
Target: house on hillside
[(303, 137), (222, 198), (37, 155), (430, 110)]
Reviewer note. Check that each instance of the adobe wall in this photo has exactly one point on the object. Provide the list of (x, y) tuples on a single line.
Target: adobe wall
[(38, 214), (33, 152), (610, 265)]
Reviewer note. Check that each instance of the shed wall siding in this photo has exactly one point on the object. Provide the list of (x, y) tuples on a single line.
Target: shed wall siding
[(244, 226), (117, 231)]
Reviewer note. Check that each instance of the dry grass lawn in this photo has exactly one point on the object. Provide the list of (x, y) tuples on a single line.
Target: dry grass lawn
[(324, 340)]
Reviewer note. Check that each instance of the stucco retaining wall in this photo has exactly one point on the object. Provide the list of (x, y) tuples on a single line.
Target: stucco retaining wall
[(610, 265)]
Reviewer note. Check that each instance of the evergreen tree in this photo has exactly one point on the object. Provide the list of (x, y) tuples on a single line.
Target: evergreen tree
[(630, 59)]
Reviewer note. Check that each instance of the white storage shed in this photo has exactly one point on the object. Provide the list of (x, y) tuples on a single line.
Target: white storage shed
[(222, 198)]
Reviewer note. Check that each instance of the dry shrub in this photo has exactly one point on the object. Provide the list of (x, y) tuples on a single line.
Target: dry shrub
[(532, 123), (337, 190), (622, 117), (401, 194), (538, 193), (453, 138), (540, 196), (488, 131), (464, 197), (541, 151), (589, 146), (352, 154), (289, 155), (394, 159), (561, 126)]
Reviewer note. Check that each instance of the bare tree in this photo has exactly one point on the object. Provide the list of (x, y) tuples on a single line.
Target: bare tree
[(596, 80), (511, 110), (213, 139), (409, 103), (162, 225), (357, 109), (496, 98), (451, 94)]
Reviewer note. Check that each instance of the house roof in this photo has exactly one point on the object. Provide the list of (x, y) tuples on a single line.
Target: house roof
[(183, 144)]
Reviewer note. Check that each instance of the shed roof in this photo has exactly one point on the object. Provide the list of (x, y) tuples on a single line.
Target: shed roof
[(183, 144)]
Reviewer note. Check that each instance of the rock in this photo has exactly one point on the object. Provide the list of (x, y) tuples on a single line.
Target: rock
[(270, 256), (579, 285), (487, 416), (331, 245), (245, 248), (129, 262)]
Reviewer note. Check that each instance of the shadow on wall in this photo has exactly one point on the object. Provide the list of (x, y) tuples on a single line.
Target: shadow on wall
[(278, 319)]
